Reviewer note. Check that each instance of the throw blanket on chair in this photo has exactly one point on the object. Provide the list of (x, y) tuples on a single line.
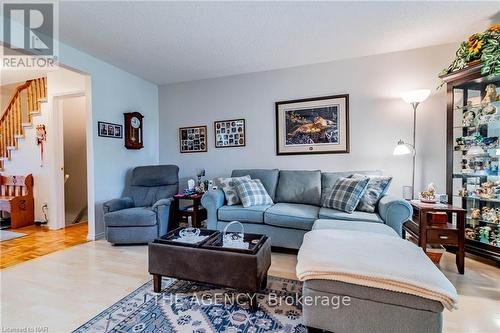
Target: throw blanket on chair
[(373, 260)]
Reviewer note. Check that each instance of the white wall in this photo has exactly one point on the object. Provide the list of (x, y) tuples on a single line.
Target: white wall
[(26, 159), (75, 156), (378, 116), (113, 92)]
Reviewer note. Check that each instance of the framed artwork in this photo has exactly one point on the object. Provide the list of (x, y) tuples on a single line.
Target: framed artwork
[(193, 139), (109, 130), (229, 133), (313, 126)]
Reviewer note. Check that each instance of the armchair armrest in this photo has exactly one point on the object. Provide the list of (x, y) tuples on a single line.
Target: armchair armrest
[(163, 211), (162, 202), (212, 201), (117, 204), (394, 211)]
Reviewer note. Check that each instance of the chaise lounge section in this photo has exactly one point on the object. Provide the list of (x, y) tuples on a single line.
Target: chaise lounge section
[(297, 197)]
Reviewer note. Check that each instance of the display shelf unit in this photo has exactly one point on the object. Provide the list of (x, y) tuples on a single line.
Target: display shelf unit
[(473, 152)]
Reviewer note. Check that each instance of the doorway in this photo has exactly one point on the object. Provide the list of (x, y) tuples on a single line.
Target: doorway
[(75, 160)]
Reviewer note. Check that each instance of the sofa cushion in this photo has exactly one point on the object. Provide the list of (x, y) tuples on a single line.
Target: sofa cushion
[(298, 186), (268, 177), (329, 213), (377, 186), (228, 186), (290, 215), (252, 193), (253, 214), (328, 179), (137, 216), (345, 194)]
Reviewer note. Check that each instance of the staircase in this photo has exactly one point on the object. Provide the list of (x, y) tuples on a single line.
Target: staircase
[(18, 115)]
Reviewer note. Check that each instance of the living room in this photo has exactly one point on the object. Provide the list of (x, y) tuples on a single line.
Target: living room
[(346, 132)]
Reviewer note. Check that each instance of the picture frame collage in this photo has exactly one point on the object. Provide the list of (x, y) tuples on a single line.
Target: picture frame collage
[(109, 130), (227, 133), (230, 133), (193, 139)]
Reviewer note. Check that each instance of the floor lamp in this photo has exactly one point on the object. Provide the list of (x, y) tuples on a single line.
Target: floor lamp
[(414, 98)]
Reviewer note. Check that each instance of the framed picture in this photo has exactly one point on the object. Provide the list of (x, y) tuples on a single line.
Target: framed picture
[(193, 139), (109, 130), (229, 133), (313, 126)]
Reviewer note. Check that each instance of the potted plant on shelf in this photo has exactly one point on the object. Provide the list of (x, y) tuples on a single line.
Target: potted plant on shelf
[(479, 48)]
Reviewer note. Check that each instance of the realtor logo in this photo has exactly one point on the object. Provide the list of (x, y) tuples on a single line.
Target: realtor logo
[(28, 28)]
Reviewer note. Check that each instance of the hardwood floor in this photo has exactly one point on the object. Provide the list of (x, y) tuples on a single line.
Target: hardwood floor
[(39, 242), (65, 289)]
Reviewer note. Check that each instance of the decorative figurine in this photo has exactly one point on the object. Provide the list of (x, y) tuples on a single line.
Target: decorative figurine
[(476, 213), (470, 233), (484, 233), (491, 95), (429, 195), (468, 119)]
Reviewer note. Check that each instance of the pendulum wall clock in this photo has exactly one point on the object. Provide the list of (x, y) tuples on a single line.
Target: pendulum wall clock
[(133, 130)]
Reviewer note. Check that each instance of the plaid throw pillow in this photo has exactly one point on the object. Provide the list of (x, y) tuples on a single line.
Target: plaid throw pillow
[(228, 186), (377, 186), (252, 193), (345, 194)]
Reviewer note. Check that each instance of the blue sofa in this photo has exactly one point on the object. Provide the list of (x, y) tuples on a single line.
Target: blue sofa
[(297, 201)]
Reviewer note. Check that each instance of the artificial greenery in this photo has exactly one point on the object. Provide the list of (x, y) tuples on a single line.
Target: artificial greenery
[(483, 47)]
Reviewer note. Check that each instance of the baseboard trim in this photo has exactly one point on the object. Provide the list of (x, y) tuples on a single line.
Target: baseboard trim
[(96, 236)]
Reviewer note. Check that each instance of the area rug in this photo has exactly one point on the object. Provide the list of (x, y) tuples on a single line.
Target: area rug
[(199, 308), (8, 235)]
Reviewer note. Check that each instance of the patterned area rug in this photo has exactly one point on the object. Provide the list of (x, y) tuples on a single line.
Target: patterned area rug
[(199, 308), (8, 235)]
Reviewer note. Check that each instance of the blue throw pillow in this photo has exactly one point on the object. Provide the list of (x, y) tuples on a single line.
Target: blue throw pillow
[(252, 193), (346, 194), (377, 187)]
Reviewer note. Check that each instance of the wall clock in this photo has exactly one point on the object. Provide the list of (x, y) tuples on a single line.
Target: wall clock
[(133, 130)]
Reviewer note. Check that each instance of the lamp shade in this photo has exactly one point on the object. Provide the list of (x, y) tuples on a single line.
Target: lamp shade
[(403, 148), (415, 96)]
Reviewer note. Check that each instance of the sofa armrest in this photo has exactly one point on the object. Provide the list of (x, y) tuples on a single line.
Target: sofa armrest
[(117, 204), (163, 209), (394, 211), (212, 201)]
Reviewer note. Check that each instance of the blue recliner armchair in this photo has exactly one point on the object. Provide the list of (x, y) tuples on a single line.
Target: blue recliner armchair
[(144, 211)]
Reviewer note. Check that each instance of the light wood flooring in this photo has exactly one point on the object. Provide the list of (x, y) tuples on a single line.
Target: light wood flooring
[(40, 241), (63, 290)]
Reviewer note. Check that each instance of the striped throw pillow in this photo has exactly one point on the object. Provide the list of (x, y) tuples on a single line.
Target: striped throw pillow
[(345, 194), (252, 193)]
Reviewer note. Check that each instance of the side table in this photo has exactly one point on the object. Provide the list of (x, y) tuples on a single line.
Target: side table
[(448, 234), (195, 210)]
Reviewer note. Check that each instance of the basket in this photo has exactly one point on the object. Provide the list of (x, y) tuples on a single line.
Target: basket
[(234, 239)]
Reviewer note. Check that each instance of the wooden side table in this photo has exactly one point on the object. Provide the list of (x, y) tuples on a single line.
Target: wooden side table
[(447, 234), (195, 210)]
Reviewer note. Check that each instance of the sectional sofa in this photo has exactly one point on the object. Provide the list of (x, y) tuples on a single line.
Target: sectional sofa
[(297, 197)]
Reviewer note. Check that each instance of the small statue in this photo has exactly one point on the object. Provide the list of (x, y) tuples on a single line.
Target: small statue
[(468, 119), (470, 233), (430, 193), (476, 213), (463, 192), (484, 233), (491, 95)]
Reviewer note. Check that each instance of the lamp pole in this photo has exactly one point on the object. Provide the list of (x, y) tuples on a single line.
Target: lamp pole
[(414, 105)]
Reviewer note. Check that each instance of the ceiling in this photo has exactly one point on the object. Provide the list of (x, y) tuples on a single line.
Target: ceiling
[(166, 42)]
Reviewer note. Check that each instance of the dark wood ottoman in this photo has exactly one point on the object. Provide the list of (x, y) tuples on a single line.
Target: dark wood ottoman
[(246, 272)]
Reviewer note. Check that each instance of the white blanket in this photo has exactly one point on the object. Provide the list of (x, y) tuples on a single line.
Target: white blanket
[(373, 260)]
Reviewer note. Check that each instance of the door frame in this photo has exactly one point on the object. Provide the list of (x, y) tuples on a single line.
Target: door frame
[(56, 149)]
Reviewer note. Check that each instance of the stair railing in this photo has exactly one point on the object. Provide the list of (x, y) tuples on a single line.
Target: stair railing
[(25, 102)]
